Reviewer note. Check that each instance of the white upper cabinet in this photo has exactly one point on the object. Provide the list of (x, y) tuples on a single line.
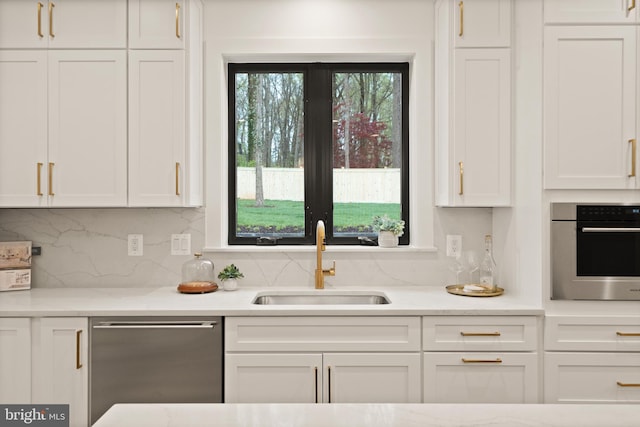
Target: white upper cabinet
[(87, 164), (157, 24), (590, 11), (63, 24), (482, 23), (473, 103), (590, 80), (156, 128), (23, 128)]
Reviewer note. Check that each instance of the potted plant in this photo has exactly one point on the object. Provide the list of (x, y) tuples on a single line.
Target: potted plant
[(388, 229), (229, 277)]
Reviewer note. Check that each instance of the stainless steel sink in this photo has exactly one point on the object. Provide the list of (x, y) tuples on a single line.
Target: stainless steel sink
[(319, 298)]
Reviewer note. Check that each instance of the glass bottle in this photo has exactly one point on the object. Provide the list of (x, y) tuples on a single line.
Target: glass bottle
[(197, 270), (488, 268)]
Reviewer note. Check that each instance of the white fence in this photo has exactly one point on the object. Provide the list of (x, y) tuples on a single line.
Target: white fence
[(349, 185)]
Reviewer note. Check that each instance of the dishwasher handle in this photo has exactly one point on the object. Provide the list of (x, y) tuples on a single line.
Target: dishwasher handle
[(161, 324)]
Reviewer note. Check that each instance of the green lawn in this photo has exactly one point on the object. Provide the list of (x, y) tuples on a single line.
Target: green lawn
[(288, 216)]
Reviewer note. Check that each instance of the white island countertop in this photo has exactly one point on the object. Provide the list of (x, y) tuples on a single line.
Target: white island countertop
[(370, 415), (167, 301)]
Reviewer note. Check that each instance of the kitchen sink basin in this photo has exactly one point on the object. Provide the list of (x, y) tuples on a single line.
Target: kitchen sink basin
[(320, 298)]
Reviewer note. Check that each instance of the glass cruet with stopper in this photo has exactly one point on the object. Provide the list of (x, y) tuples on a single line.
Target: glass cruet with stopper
[(198, 269), (488, 268)]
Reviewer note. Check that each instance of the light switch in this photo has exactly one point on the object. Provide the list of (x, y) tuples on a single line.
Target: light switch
[(181, 244)]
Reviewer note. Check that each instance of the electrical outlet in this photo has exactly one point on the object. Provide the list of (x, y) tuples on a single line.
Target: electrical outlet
[(134, 246), (454, 245), (181, 244)]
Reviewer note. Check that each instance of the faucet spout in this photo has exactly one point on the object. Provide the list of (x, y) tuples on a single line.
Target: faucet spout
[(320, 246)]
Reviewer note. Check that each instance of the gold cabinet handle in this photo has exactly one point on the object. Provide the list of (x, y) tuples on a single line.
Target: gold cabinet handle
[(177, 178), (40, 20), (621, 384), (628, 334), (633, 6), (633, 157), (38, 179), (51, 6), (329, 382), (50, 189), (496, 360), (178, 20), (316, 382), (461, 166), (78, 358), (480, 334), (461, 7)]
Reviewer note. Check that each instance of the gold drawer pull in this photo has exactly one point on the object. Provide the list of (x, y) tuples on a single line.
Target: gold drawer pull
[(178, 20), (633, 6), (51, 6), (39, 178), (496, 360), (480, 334), (628, 334), (40, 20), (621, 384), (633, 157), (461, 7), (50, 189), (78, 360)]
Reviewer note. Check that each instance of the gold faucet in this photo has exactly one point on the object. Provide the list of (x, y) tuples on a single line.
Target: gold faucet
[(320, 246)]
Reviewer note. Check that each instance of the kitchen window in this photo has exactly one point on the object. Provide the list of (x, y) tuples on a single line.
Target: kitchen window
[(321, 141)]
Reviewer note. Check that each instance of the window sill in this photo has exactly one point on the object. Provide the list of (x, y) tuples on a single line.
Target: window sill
[(329, 249)]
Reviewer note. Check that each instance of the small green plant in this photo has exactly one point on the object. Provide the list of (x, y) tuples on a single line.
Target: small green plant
[(384, 223), (230, 272)]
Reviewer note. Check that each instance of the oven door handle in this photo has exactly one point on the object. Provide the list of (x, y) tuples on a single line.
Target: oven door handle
[(611, 229)]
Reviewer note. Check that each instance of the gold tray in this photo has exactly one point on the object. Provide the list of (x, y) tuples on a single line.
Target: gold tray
[(459, 290)]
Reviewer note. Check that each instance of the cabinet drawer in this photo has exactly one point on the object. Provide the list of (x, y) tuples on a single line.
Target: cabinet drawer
[(479, 333), (592, 377), (592, 333), (322, 333), (481, 377)]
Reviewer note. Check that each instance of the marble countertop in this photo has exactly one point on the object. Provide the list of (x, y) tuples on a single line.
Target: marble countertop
[(371, 415), (410, 300)]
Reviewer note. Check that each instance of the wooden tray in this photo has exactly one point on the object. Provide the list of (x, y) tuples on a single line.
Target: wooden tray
[(197, 287), (459, 290)]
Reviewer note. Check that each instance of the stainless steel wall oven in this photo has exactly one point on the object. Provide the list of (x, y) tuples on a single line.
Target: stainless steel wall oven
[(595, 251)]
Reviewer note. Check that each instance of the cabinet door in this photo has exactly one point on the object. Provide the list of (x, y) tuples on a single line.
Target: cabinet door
[(592, 378), (482, 132), (156, 127), (87, 24), (272, 378), (480, 378), (23, 128), (156, 24), (482, 23), (88, 128), (60, 371), (371, 378), (589, 107), (589, 11), (23, 24), (15, 360)]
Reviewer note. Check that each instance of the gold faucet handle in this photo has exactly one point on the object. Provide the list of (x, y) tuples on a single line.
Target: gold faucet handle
[(331, 271)]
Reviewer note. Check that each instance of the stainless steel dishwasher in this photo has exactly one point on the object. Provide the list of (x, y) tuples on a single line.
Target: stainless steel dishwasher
[(154, 360)]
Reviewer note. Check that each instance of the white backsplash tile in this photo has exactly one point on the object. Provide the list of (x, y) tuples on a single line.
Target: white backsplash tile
[(88, 248)]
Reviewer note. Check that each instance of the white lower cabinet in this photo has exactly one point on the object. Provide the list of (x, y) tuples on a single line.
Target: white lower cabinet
[(322, 360), (480, 377), (15, 360), (59, 366), (592, 359), (44, 361), (480, 359)]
